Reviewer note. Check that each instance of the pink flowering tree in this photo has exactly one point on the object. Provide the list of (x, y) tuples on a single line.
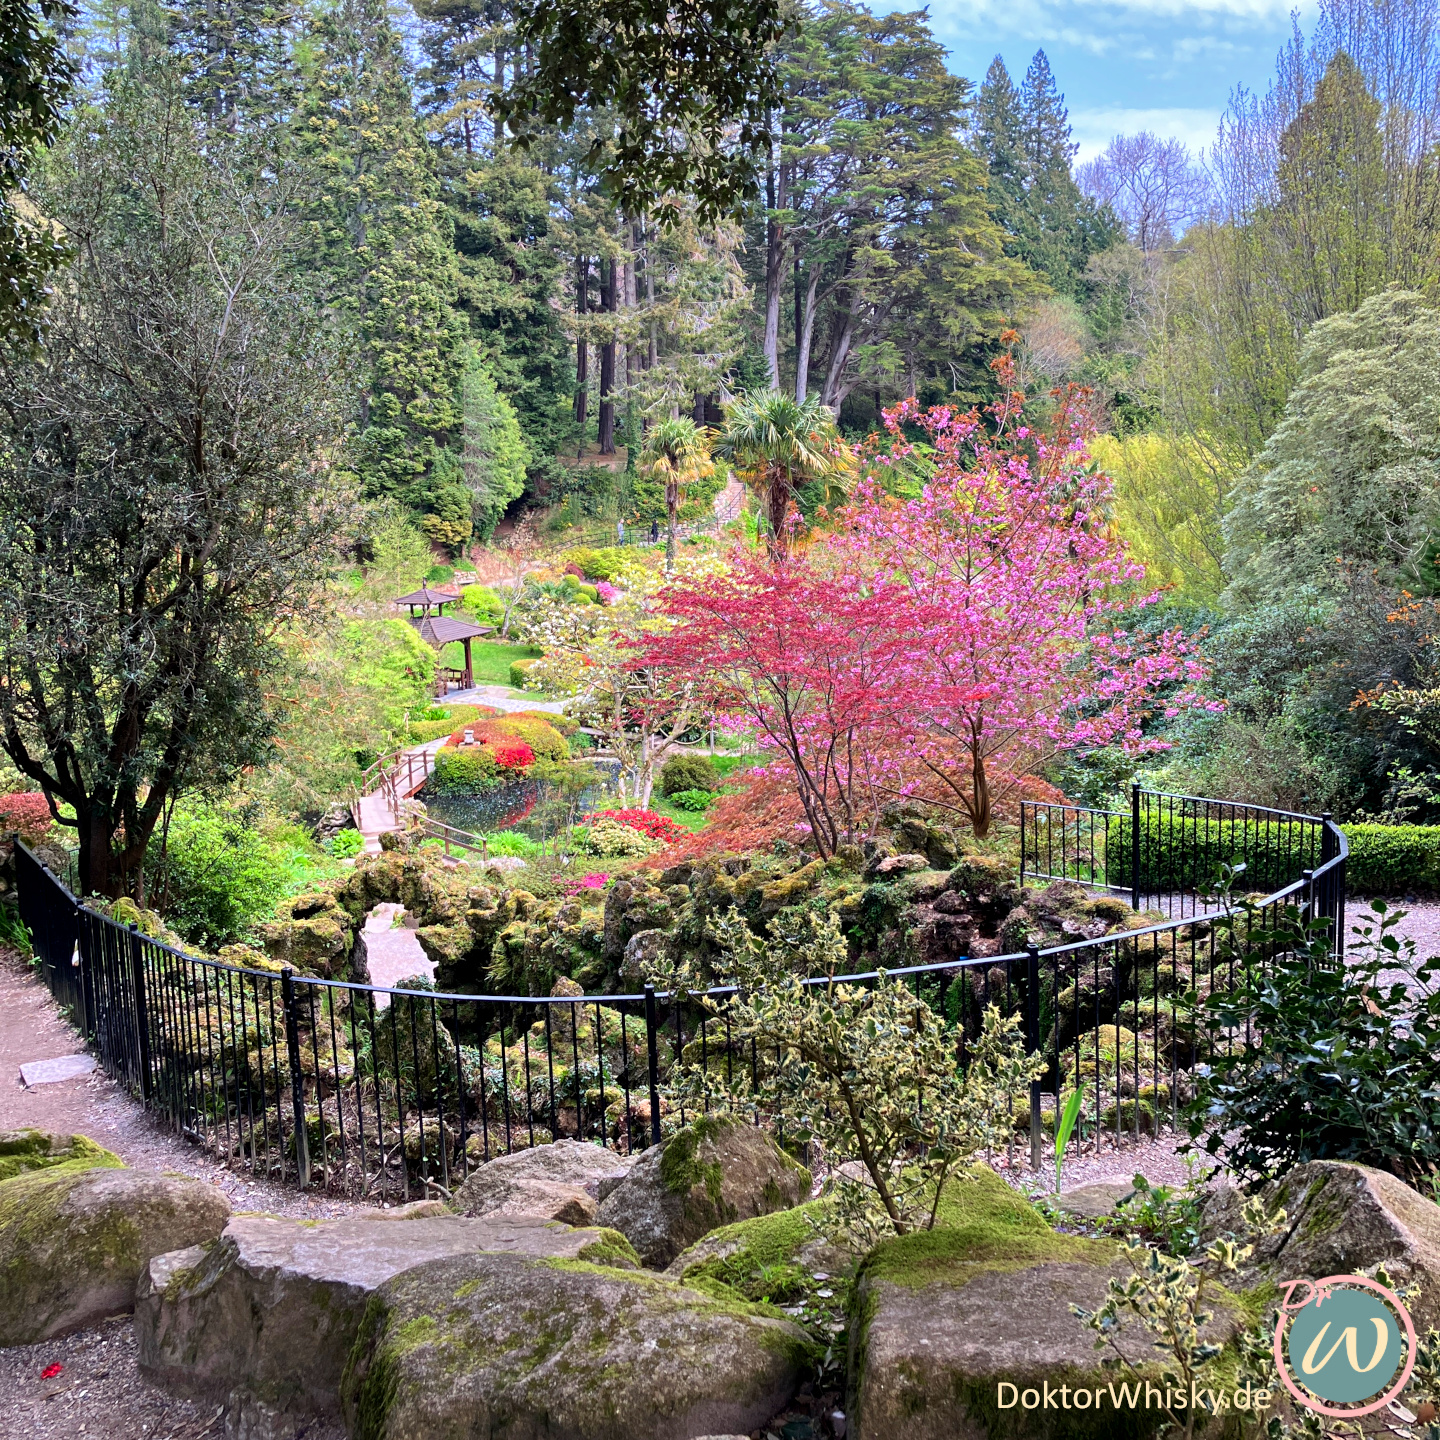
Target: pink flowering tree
[(941, 647), (1003, 582)]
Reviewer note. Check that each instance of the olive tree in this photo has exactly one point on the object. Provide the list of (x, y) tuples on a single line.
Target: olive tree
[(166, 507)]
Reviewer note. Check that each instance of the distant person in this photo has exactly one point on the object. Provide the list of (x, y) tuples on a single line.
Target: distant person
[(620, 531), (654, 532)]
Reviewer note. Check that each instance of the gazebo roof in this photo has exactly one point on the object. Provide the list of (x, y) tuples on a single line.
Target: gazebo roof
[(426, 596), (440, 630)]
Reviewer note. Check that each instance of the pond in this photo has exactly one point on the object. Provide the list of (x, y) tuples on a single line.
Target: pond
[(530, 807)]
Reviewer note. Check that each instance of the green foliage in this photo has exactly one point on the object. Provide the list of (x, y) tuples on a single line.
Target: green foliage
[(389, 662), (493, 453), (1161, 1216), (512, 842), (1024, 137), (688, 772), (1326, 1060), (1068, 1120), (695, 801), (217, 873), (482, 605), (603, 564), (520, 672), (37, 80), (380, 236), (163, 469), (347, 844), (1182, 852), (611, 840), (466, 770), (1350, 474), (1168, 1297), (869, 1072)]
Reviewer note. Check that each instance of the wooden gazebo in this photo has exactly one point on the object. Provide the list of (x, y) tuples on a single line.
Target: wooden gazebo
[(427, 615)]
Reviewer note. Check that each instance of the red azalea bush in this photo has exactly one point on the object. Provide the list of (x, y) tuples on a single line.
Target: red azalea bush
[(28, 814), (512, 754), (647, 822), (541, 738)]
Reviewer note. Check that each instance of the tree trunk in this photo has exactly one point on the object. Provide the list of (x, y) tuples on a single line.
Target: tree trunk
[(582, 349), (807, 335), (777, 497), (842, 333), (672, 510), (981, 811), (608, 298), (774, 267)]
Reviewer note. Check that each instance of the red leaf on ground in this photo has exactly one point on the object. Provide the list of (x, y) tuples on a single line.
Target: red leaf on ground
[(51, 1371)]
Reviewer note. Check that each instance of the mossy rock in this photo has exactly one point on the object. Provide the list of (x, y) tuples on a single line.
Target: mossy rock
[(492, 1344), (263, 1320), (943, 1317), (22, 1151), (713, 1172), (74, 1238), (772, 1255)]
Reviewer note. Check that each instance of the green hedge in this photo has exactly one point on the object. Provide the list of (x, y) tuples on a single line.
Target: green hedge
[(518, 671), (1181, 853), (470, 770)]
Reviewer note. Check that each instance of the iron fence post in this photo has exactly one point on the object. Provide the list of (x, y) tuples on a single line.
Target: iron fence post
[(297, 1080), (1032, 1043), (142, 1013), (1022, 844), (1135, 845), (652, 1036)]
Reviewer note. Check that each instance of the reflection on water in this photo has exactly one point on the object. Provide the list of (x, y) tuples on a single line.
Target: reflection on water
[(530, 806)]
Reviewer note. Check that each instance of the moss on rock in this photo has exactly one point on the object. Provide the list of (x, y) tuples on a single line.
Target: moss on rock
[(22, 1151), (564, 1348)]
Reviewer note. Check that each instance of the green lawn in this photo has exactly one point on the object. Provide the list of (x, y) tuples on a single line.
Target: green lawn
[(490, 658)]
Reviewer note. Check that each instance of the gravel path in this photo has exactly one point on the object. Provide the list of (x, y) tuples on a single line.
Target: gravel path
[(31, 1028), (98, 1390)]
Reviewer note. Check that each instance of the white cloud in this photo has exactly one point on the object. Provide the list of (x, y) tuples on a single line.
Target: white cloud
[(1049, 20), (1094, 129)]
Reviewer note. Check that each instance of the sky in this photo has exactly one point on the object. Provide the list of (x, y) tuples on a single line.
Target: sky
[(1125, 65)]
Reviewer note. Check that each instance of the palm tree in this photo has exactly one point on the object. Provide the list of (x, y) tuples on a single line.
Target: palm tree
[(677, 452), (778, 445)]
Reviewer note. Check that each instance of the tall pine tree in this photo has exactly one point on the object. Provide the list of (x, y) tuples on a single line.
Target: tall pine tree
[(1024, 136), (381, 237), (236, 53)]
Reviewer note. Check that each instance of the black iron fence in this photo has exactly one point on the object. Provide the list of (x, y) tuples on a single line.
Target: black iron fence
[(368, 1091)]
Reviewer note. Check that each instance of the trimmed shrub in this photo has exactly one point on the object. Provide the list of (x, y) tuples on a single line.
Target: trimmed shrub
[(687, 772), (1392, 859), (1179, 853), (421, 732), (693, 800), (607, 837), (541, 737), (513, 754), (465, 770), (601, 564), (647, 822), (563, 723), (519, 669)]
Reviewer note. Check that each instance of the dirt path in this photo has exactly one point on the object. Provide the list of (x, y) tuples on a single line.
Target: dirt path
[(98, 1390), (31, 1028)]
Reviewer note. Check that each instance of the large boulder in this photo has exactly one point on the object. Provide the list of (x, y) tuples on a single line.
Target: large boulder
[(263, 1320), (1341, 1219), (713, 1172), (25, 1150), (556, 1182), (945, 1317), (487, 1345), (73, 1241)]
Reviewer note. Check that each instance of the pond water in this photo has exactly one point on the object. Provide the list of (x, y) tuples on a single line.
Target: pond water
[(529, 806)]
